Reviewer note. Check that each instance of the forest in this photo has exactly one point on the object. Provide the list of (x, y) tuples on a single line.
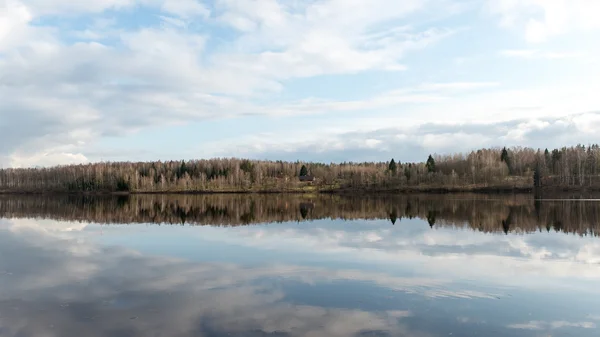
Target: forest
[(516, 169), (519, 213)]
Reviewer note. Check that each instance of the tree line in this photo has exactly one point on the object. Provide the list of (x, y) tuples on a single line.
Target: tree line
[(494, 214), (517, 167)]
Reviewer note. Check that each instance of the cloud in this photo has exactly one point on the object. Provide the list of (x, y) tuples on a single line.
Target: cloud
[(61, 7), (185, 8), (537, 54), (14, 20), (423, 93), (542, 325), (182, 8), (409, 143), (63, 89), (46, 159), (541, 20), (459, 85), (318, 41)]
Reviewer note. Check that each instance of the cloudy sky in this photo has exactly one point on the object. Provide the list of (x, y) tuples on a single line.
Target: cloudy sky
[(326, 80)]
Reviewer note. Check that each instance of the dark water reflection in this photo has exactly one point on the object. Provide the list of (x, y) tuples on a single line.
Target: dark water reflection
[(521, 213), (274, 265)]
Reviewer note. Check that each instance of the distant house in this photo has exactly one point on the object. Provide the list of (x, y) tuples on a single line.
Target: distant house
[(307, 178)]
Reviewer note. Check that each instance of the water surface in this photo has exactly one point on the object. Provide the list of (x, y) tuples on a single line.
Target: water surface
[(274, 265)]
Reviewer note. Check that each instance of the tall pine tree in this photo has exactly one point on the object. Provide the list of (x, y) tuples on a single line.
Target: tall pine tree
[(505, 157), (430, 164), (392, 166), (303, 171)]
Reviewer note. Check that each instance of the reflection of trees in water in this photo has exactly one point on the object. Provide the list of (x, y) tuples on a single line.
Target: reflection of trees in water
[(431, 215), (305, 208), (506, 223), (393, 216), (248, 217), (303, 212), (486, 213)]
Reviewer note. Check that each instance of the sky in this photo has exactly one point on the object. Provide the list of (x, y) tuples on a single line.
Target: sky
[(317, 80)]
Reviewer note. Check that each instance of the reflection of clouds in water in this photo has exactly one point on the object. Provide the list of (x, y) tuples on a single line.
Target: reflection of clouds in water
[(47, 289), (55, 285), (459, 253), (161, 273), (44, 225), (542, 325)]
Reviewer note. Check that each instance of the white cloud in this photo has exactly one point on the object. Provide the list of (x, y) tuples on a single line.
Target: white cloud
[(185, 8), (459, 85), (324, 52), (424, 93), (46, 159), (182, 8), (542, 325), (409, 141), (60, 7), (14, 20), (69, 94), (88, 34), (541, 20), (173, 21), (537, 54), (326, 37)]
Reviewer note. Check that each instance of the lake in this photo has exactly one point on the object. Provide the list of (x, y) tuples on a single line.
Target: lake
[(299, 265)]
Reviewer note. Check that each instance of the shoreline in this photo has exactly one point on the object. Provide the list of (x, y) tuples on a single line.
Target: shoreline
[(339, 191)]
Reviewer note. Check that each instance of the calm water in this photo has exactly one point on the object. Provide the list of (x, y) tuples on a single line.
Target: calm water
[(244, 265)]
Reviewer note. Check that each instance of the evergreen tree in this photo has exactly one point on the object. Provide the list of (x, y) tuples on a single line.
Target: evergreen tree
[(246, 166), (537, 179), (504, 155), (393, 167), (548, 160), (303, 171), (430, 164), (556, 157), (182, 169)]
